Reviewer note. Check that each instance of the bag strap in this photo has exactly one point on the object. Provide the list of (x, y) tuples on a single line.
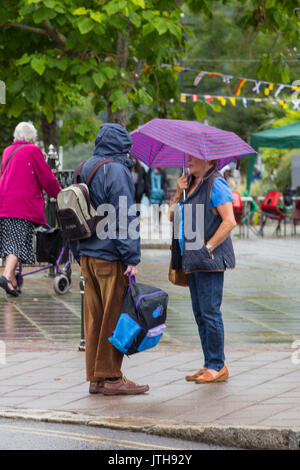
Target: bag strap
[(10, 157), (95, 168), (77, 172), (91, 174)]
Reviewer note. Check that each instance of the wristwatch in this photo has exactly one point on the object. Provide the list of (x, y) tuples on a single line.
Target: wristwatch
[(209, 249)]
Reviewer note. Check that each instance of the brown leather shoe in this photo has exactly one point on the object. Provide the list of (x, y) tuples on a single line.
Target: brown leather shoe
[(96, 387), (191, 378), (123, 386), (207, 377)]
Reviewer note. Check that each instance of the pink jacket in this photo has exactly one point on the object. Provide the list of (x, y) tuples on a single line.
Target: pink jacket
[(23, 181)]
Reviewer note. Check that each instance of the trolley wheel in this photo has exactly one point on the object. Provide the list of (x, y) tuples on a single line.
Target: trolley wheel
[(61, 284)]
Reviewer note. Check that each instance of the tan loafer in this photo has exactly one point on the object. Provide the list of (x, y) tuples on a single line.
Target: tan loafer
[(208, 377), (191, 378)]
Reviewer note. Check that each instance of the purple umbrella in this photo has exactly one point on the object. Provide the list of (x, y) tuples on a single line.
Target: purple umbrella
[(168, 142)]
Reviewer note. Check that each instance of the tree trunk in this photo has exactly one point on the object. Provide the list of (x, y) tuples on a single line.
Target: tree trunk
[(49, 132), (120, 116), (122, 47)]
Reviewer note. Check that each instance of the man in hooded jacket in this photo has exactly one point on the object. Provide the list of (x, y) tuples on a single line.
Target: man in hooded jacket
[(107, 260)]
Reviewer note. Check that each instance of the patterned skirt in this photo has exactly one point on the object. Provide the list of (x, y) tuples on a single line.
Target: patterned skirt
[(16, 238)]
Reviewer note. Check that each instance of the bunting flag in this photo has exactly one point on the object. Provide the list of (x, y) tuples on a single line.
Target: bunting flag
[(245, 102), (294, 89), (177, 68), (227, 78), (283, 104), (256, 87), (269, 88), (239, 87), (198, 78), (281, 87), (222, 100), (233, 100)]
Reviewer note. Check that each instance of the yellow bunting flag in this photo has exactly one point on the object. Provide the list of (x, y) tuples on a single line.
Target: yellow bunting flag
[(183, 98), (232, 101), (283, 104), (269, 88), (177, 68), (222, 100)]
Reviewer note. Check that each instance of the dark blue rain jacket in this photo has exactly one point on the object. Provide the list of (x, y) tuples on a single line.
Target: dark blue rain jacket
[(111, 181)]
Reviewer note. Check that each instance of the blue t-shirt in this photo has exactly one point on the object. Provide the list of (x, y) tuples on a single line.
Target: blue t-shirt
[(220, 194)]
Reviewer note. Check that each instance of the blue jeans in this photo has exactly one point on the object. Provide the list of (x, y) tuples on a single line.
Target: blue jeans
[(206, 289)]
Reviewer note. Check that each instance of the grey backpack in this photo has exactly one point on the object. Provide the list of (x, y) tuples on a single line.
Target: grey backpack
[(76, 215)]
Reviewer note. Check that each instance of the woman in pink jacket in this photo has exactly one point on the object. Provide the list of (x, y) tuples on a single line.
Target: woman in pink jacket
[(24, 176)]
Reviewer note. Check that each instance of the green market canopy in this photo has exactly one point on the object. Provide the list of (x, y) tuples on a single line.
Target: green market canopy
[(285, 137)]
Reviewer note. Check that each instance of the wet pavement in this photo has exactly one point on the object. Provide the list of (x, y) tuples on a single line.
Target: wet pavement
[(43, 374), (261, 302)]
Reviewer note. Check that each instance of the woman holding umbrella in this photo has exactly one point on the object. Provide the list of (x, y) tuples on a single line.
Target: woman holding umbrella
[(206, 266), (169, 143)]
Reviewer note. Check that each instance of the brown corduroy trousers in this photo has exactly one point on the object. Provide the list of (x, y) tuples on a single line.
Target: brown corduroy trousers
[(104, 289)]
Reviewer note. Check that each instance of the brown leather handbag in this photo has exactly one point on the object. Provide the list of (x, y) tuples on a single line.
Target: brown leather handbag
[(178, 277)]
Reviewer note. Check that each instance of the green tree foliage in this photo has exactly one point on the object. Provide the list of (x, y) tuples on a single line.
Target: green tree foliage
[(54, 52), (232, 42)]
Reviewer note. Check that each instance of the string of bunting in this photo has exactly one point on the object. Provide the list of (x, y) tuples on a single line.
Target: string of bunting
[(269, 87), (233, 100)]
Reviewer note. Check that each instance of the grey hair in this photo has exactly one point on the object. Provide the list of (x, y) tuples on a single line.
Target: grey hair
[(25, 131)]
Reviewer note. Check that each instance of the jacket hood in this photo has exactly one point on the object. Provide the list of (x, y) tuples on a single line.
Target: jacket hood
[(113, 141)]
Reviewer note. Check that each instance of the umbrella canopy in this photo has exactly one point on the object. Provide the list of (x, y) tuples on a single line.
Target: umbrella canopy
[(168, 142)]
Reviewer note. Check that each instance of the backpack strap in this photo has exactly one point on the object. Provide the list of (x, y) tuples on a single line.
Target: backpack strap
[(78, 169), (95, 168), (77, 172)]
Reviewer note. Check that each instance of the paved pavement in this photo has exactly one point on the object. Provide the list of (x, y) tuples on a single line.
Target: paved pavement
[(42, 371)]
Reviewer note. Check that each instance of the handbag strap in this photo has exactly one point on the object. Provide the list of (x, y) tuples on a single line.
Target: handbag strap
[(10, 157), (131, 279)]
